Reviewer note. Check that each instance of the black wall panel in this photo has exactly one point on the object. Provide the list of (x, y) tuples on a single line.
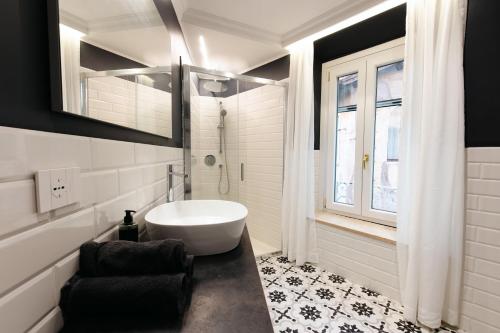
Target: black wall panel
[(26, 93), (26, 79), (275, 70), (482, 74)]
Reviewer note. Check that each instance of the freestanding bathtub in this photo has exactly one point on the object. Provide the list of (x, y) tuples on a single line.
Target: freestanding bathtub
[(206, 226)]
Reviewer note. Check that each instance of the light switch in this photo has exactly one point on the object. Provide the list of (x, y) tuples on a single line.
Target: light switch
[(57, 188)]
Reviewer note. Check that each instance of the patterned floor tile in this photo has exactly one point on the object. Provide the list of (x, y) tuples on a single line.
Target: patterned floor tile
[(311, 300)]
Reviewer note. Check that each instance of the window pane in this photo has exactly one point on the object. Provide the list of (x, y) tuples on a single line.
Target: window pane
[(347, 88), (390, 81), (387, 126), (346, 139), (386, 156)]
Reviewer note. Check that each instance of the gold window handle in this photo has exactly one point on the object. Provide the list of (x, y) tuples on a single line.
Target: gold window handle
[(366, 158)]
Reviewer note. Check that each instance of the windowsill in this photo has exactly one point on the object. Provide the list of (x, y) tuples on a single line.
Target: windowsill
[(368, 229)]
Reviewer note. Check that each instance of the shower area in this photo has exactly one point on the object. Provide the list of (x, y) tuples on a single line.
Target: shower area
[(234, 134)]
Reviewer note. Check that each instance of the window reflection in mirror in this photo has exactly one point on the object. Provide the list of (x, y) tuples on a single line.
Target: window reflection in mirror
[(115, 58)]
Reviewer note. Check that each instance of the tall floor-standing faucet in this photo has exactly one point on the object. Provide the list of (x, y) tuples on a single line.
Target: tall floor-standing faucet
[(170, 181)]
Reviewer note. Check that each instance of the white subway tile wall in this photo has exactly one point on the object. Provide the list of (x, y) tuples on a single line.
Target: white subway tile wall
[(39, 252), (261, 151), (51, 323), (205, 138), (373, 263), (28, 303), (369, 262), (130, 104), (254, 135), (481, 303)]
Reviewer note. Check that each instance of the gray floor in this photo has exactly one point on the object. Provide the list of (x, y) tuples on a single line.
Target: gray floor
[(309, 299)]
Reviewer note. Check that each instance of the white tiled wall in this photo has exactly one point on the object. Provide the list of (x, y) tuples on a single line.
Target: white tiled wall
[(261, 151), (39, 252), (481, 303), (130, 104), (359, 258), (254, 134), (369, 262), (373, 263), (205, 113)]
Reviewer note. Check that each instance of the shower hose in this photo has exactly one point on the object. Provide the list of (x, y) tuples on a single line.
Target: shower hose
[(221, 167)]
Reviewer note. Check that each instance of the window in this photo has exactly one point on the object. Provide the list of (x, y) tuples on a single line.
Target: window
[(363, 116)]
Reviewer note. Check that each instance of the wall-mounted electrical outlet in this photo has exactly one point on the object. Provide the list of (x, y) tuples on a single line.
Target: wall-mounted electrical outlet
[(57, 188)]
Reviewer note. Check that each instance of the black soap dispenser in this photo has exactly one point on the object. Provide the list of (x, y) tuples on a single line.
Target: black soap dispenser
[(129, 230)]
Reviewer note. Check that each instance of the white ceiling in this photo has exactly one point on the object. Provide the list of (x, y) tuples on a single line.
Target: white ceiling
[(228, 52), (147, 45), (131, 28), (242, 34), (275, 16), (239, 34), (90, 10)]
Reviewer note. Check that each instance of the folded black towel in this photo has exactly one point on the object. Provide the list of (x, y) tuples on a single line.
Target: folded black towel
[(162, 295), (88, 258), (117, 258), (188, 265)]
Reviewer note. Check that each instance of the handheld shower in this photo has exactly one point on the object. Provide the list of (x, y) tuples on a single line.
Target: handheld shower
[(222, 149), (222, 114)]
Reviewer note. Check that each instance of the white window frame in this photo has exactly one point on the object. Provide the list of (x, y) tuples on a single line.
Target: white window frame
[(365, 63), (354, 66)]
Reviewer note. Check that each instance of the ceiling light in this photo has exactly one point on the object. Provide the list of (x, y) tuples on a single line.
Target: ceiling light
[(71, 31), (370, 12)]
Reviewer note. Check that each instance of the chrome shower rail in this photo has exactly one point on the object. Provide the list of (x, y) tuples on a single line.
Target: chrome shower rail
[(128, 71)]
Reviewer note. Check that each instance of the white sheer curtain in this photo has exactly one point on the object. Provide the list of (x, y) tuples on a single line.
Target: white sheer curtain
[(298, 223), (431, 195), (70, 69)]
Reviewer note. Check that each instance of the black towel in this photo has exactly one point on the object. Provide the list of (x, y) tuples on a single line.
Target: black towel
[(188, 265), (88, 258), (162, 295), (118, 258)]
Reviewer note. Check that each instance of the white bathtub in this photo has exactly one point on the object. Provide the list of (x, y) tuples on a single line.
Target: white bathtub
[(206, 226)]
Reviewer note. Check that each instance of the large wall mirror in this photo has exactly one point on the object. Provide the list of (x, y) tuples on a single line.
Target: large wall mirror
[(115, 63)]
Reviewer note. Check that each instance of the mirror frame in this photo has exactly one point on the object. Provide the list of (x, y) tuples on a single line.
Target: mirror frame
[(95, 125)]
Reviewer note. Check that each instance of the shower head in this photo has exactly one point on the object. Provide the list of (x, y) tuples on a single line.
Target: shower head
[(223, 111), (213, 83), (222, 114), (215, 86)]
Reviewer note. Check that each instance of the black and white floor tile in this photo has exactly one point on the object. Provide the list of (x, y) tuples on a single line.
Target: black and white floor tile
[(309, 299)]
